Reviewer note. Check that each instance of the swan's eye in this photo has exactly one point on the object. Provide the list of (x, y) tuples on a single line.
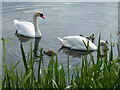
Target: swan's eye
[(41, 15)]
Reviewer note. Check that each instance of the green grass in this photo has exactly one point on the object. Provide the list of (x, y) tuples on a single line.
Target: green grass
[(94, 73)]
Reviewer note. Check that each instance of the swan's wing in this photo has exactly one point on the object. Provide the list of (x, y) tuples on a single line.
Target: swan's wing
[(25, 28), (75, 39), (76, 42), (64, 42)]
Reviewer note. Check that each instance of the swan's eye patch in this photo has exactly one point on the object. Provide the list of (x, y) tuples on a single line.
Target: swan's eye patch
[(41, 15)]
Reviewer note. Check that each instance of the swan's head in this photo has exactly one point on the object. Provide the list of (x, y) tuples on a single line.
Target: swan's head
[(39, 14)]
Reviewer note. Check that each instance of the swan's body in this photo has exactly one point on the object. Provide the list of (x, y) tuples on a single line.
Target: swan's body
[(49, 52), (77, 42), (27, 28)]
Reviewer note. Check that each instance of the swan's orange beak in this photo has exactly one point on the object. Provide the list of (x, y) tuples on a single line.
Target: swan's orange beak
[(42, 17)]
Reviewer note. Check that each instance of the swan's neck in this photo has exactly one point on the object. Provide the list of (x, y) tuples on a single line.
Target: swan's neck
[(37, 31)]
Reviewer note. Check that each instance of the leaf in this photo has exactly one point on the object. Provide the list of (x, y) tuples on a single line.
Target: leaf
[(24, 57)]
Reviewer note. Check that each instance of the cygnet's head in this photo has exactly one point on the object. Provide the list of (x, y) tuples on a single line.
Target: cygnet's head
[(104, 45), (92, 37), (39, 14)]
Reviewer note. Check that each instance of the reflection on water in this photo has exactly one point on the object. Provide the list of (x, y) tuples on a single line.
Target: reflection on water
[(119, 49), (23, 38), (36, 46), (67, 51), (36, 43), (119, 43), (74, 53)]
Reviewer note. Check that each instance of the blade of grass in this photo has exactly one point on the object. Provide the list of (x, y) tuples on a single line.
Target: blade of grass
[(39, 65), (17, 84), (15, 66), (111, 54), (24, 57), (26, 79), (4, 51), (98, 50), (56, 71), (62, 76), (68, 64), (55, 84)]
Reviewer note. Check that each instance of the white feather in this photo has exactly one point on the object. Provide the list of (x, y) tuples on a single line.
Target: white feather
[(77, 42), (25, 28)]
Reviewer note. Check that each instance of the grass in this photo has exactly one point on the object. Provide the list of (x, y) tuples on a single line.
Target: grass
[(94, 73)]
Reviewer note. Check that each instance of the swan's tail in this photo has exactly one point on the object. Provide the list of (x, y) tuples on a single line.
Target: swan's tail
[(64, 42), (61, 40), (16, 21)]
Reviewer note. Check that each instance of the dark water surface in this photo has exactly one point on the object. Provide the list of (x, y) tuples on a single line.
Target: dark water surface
[(62, 19)]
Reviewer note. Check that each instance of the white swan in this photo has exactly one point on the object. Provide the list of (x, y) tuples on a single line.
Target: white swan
[(27, 28), (76, 42)]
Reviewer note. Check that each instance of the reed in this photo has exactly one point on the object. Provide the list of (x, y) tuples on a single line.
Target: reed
[(93, 73)]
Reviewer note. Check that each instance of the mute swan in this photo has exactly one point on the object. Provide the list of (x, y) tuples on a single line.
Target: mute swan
[(27, 28), (76, 42)]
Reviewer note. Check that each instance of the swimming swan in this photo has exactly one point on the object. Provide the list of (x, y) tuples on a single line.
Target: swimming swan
[(27, 28), (76, 42)]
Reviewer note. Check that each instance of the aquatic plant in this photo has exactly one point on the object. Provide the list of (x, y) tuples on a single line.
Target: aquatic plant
[(100, 72)]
